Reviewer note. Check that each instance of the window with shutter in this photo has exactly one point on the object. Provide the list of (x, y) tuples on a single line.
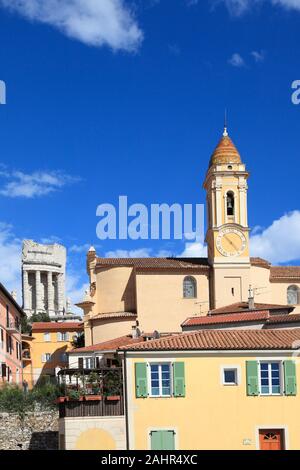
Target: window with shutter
[(160, 379), (290, 378), (162, 440), (3, 370), (252, 378), (141, 386), (178, 379)]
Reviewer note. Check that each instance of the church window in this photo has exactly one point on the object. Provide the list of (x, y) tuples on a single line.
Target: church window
[(230, 203), (293, 295), (189, 287)]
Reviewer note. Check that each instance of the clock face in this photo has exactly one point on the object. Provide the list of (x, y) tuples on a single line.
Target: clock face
[(231, 242)]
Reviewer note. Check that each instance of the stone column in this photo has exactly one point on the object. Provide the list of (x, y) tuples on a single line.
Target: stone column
[(38, 301), (61, 294), (26, 297), (50, 289)]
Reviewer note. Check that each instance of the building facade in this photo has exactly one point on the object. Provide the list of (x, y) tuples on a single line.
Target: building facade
[(161, 293), (177, 387), (47, 348), (10, 338), (43, 271)]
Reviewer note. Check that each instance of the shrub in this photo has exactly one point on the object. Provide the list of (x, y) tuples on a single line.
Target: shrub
[(14, 400)]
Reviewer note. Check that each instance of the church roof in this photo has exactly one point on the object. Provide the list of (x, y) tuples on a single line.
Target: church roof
[(155, 263), (225, 152), (285, 272)]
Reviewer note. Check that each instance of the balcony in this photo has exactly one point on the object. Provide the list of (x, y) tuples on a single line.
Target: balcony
[(26, 355), (91, 392), (98, 406), (13, 327)]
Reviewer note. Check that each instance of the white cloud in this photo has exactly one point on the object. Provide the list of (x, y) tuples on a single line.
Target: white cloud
[(10, 255), (279, 243), (75, 288), (140, 253), (79, 248), (191, 3), (93, 22), (236, 60), (194, 250), (259, 56), (239, 7), (39, 183)]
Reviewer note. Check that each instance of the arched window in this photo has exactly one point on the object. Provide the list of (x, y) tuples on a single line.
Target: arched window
[(230, 203), (189, 287), (293, 295)]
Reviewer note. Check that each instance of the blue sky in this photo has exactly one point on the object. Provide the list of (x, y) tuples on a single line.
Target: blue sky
[(111, 97)]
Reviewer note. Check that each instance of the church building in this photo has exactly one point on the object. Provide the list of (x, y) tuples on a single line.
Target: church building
[(159, 294)]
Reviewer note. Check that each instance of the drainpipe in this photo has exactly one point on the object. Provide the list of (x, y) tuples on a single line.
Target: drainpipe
[(126, 401)]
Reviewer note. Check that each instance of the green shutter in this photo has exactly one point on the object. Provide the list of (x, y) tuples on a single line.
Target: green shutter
[(168, 440), (141, 388), (156, 440), (290, 377), (178, 379), (162, 440), (252, 378)]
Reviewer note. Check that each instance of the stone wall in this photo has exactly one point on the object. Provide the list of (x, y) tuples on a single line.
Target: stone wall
[(37, 431)]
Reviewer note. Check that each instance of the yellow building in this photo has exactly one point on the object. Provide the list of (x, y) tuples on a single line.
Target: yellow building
[(214, 390), (46, 349), (162, 292)]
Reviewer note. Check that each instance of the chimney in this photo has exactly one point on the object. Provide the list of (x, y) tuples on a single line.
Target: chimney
[(14, 295), (135, 331), (251, 304)]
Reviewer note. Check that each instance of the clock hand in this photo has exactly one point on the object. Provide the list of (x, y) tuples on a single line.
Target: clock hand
[(231, 243)]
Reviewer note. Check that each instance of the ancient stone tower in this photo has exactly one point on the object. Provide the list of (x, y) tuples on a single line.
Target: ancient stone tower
[(43, 271)]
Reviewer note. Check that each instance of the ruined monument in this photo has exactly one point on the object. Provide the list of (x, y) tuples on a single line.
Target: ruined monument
[(43, 271)]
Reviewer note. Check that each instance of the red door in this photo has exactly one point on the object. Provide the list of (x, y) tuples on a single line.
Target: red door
[(271, 439)]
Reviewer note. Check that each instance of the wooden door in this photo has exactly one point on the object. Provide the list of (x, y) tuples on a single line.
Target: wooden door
[(271, 439)]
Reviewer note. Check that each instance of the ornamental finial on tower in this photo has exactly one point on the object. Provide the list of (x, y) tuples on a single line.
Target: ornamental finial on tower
[(225, 133)]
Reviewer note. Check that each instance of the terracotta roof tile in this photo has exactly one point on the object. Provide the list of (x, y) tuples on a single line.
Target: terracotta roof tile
[(224, 340), (103, 316), (285, 272), (260, 262), (57, 326), (291, 318), (111, 345), (244, 307), (225, 152), (155, 263), (233, 318)]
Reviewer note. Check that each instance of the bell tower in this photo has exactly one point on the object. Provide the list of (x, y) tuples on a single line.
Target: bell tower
[(227, 234)]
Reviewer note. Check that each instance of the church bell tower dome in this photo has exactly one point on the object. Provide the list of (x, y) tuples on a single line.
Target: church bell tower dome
[(225, 152)]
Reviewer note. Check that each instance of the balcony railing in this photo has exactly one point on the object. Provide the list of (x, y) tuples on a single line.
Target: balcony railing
[(13, 327), (99, 406), (91, 392)]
